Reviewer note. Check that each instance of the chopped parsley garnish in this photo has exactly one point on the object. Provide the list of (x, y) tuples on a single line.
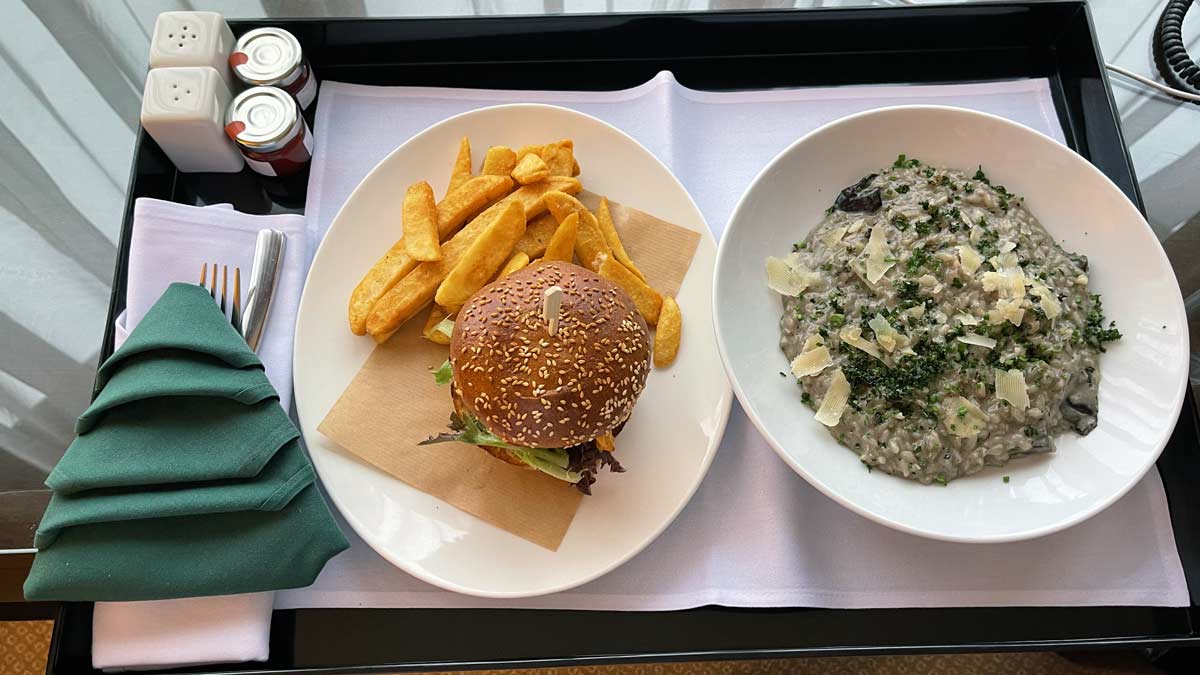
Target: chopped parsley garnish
[(867, 373), (925, 227), (806, 398), (956, 282), (1094, 332), (907, 289), (837, 320), (902, 188), (918, 259), (940, 479), (799, 246), (981, 176), (1005, 479), (900, 222), (903, 162), (961, 412)]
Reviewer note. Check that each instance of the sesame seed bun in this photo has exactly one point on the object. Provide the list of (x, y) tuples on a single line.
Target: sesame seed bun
[(536, 390)]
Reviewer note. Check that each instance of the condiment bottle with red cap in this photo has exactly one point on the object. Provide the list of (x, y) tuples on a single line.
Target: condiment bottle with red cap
[(272, 57), (266, 125)]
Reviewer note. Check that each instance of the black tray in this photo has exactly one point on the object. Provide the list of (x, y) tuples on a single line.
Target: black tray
[(714, 51)]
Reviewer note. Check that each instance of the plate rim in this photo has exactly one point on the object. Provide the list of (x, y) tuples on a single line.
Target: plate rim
[(725, 397), (1031, 533)]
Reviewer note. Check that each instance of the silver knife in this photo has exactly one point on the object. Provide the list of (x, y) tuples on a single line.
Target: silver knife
[(264, 275)]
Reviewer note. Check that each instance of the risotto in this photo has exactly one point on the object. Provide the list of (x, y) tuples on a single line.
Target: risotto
[(936, 327)]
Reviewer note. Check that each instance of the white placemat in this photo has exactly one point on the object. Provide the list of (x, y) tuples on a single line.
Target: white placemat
[(755, 534)]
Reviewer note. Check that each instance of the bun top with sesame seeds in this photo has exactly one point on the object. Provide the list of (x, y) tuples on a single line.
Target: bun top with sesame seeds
[(536, 390)]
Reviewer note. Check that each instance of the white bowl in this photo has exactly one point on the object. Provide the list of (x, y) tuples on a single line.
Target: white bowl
[(1142, 376), (666, 447)]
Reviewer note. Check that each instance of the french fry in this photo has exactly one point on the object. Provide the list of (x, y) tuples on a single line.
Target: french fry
[(575, 167), (461, 171), (484, 257), (378, 280), (500, 160), (468, 199), (667, 333), (606, 442), (530, 169), (415, 286), (436, 315), (420, 217), (590, 244), (648, 301), (562, 204), (527, 149), (452, 211), (518, 261), (609, 230), (562, 244), (538, 233), (559, 157), (404, 299)]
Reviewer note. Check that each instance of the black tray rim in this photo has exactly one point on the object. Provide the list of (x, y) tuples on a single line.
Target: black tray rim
[(1159, 641)]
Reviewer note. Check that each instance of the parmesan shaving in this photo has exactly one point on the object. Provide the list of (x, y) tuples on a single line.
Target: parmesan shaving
[(1006, 246), (916, 311), (811, 362), (855, 226), (888, 337), (963, 418), (967, 319), (1050, 304), (1010, 386), (789, 277), (969, 258), (852, 335), (879, 256), (1010, 310), (813, 341), (832, 237), (834, 403), (977, 340)]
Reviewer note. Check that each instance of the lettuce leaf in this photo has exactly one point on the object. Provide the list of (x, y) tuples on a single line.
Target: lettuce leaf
[(443, 374), (468, 429)]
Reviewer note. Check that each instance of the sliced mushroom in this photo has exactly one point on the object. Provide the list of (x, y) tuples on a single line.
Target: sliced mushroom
[(860, 197)]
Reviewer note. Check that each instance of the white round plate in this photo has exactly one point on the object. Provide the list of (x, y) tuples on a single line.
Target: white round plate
[(1142, 376), (666, 447)]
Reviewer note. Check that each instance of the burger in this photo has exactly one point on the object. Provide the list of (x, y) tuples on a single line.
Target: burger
[(542, 389)]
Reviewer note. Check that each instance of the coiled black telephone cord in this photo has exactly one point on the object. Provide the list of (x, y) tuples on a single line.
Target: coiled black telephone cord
[(1177, 68)]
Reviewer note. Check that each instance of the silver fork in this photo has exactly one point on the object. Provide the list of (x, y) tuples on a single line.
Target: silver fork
[(235, 314)]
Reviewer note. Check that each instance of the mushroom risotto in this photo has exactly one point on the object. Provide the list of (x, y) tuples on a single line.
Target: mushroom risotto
[(936, 326)]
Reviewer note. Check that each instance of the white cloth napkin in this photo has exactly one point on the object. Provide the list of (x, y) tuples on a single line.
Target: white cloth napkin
[(763, 535), (170, 243)]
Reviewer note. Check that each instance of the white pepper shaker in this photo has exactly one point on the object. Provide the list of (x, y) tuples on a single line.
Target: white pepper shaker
[(193, 39), (183, 109)]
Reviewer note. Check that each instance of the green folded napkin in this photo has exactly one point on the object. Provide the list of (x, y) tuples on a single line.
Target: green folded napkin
[(188, 441), (187, 478), (183, 318), (173, 372), (188, 556), (281, 479)]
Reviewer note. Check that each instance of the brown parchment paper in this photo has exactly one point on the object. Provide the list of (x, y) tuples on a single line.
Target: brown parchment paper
[(393, 403)]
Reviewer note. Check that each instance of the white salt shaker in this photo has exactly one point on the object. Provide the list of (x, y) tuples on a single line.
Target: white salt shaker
[(183, 109), (193, 39)]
